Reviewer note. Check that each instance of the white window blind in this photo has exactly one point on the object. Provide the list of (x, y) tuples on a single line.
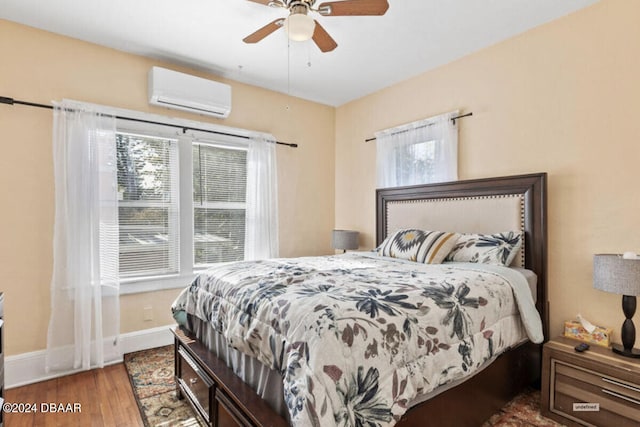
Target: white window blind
[(219, 203), (148, 205)]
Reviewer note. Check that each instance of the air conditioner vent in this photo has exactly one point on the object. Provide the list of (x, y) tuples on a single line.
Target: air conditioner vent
[(181, 91)]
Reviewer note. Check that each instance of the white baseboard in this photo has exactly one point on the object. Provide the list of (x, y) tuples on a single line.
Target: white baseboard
[(146, 339), (29, 368)]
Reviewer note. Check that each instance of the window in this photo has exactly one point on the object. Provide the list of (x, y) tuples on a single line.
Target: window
[(415, 162), (177, 215), (151, 199), (148, 207), (418, 153), (219, 192)]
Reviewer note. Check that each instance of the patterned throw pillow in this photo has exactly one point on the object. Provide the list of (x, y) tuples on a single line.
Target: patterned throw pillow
[(497, 249), (428, 247)]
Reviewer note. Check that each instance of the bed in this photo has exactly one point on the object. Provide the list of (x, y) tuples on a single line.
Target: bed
[(346, 332)]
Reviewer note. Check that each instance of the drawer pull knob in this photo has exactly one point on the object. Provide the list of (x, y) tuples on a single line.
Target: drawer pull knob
[(621, 396), (192, 381), (196, 369), (618, 383)]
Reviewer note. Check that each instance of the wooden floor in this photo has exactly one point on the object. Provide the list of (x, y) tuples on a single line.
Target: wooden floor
[(104, 397)]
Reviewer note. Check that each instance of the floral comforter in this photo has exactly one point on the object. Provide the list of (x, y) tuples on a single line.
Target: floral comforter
[(358, 337)]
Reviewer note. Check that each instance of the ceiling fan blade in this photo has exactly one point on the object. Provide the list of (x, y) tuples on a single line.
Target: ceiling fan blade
[(264, 31), (271, 3), (323, 39), (264, 2), (353, 7)]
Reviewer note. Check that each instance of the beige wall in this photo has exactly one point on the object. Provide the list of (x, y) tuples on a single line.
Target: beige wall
[(562, 98), (38, 66)]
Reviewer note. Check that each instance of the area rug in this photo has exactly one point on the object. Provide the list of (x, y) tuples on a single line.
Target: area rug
[(151, 375), (523, 411)]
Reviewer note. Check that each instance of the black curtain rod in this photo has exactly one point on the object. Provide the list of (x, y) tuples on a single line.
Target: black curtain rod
[(11, 101), (453, 119)]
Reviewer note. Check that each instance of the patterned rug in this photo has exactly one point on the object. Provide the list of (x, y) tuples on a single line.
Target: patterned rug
[(151, 375), (522, 411)]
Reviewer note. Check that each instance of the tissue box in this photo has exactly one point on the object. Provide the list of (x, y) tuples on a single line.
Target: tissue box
[(600, 336)]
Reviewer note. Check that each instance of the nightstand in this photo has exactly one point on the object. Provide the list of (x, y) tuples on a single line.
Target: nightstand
[(593, 388)]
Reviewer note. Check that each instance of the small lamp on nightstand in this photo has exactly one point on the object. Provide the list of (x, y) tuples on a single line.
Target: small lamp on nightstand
[(344, 239), (620, 274)]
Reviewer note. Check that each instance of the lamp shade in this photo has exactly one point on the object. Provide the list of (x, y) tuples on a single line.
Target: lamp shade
[(615, 274), (299, 27), (344, 239)]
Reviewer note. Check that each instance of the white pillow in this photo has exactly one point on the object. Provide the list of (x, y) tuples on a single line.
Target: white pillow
[(497, 249)]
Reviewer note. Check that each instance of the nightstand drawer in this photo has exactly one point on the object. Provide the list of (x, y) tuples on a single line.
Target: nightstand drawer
[(612, 385), (618, 401)]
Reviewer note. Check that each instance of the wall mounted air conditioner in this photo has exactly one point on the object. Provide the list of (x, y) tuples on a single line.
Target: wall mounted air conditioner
[(189, 93)]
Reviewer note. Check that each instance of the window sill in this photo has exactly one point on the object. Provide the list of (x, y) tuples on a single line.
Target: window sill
[(152, 284)]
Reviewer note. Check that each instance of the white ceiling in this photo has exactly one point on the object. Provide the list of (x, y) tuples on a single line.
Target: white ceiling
[(373, 51)]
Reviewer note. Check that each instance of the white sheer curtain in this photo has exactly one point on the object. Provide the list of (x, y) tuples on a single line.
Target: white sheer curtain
[(261, 226), (418, 153), (85, 314)]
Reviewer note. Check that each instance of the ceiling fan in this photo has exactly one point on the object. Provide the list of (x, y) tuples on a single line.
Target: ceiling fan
[(300, 26)]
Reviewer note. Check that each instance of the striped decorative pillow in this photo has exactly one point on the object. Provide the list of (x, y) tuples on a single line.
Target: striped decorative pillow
[(428, 247)]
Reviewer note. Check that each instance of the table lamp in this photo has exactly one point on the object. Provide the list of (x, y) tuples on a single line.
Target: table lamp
[(344, 239), (620, 274)]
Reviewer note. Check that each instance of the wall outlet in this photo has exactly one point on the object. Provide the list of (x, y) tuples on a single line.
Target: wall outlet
[(148, 313)]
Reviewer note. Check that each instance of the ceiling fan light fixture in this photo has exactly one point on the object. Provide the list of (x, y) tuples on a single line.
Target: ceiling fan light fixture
[(299, 27)]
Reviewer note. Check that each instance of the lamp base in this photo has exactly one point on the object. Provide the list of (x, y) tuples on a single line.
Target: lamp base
[(618, 349)]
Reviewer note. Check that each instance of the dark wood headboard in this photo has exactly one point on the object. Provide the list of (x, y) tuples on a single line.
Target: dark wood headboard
[(531, 189)]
